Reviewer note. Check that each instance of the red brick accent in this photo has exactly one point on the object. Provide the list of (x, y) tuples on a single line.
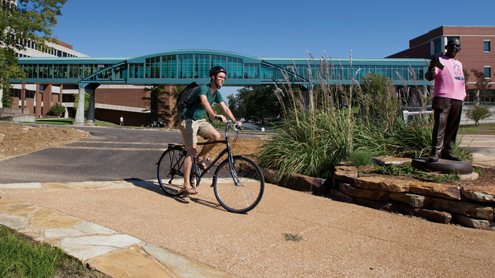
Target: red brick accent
[(47, 99), (472, 55)]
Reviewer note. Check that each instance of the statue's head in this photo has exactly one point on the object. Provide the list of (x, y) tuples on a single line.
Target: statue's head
[(453, 47)]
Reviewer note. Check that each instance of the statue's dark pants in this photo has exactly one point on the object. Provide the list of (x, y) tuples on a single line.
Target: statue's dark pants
[(447, 115)]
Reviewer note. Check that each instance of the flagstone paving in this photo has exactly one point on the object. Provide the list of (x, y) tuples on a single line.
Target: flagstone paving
[(104, 249)]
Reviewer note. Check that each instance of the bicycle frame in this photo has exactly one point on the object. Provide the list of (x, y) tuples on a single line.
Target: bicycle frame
[(226, 150)]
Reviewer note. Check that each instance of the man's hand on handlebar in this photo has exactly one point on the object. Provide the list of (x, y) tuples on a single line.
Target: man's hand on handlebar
[(221, 118)]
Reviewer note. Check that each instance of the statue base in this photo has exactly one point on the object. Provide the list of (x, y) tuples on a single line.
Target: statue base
[(443, 166)]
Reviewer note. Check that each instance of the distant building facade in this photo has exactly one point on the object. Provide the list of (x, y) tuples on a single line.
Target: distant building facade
[(476, 48)]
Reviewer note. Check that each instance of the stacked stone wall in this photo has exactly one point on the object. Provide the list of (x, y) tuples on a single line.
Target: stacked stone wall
[(469, 206)]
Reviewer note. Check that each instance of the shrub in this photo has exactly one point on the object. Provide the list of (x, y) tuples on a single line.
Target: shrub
[(57, 109), (313, 142), (477, 113)]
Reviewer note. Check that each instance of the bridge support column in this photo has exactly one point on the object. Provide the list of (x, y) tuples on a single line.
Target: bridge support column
[(79, 120), (83, 89), (90, 117)]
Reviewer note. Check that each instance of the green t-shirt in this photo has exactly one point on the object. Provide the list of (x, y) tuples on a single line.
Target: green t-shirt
[(196, 111)]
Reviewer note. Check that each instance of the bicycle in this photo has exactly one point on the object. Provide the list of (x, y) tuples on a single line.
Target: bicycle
[(246, 183)]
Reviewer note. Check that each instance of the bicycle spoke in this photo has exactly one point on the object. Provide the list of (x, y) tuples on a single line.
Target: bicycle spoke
[(169, 171), (244, 190)]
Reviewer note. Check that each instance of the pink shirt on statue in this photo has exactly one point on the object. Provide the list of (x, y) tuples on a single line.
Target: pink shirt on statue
[(449, 82)]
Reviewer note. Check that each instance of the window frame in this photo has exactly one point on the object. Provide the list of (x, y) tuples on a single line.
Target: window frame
[(489, 76), (489, 46)]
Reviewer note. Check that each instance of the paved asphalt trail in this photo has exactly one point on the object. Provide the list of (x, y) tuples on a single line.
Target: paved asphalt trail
[(110, 154)]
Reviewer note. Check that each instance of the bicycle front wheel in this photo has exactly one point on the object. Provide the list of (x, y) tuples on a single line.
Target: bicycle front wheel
[(169, 171), (242, 191)]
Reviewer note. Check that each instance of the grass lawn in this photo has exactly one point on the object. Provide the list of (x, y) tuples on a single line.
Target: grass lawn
[(63, 121), (488, 128), (22, 257)]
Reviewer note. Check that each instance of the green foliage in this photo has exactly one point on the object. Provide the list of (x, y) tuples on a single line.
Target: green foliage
[(29, 20), (360, 158), (478, 113), (308, 143), (378, 99), (482, 84), (7, 100), (407, 170), (255, 102), (87, 98), (312, 142), (21, 257), (292, 237), (158, 102), (57, 109)]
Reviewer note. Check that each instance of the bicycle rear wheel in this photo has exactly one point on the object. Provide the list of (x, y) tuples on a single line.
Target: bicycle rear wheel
[(169, 171), (242, 191)]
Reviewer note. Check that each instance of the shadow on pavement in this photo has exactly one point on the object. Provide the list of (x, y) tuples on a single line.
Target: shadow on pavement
[(154, 187)]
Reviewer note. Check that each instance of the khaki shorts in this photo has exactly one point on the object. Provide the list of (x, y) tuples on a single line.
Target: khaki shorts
[(191, 129)]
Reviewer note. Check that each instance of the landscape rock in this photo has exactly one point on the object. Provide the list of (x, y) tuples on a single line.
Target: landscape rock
[(465, 208), (431, 215), (270, 176), (381, 205), (413, 200), (452, 192), (346, 173), (475, 223), (385, 184), (304, 183), (369, 194), (479, 193), (339, 196)]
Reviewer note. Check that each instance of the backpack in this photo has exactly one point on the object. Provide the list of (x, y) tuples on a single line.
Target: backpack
[(186, 95)]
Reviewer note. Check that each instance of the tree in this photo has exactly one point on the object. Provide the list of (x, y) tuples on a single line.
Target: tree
[(29, 21), (482, 85), (256, 102), (477, 113), (57, 109), (158, 101), (87, 98)]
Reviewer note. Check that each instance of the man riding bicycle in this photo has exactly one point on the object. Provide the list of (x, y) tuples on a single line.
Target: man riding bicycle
[(193, 124)]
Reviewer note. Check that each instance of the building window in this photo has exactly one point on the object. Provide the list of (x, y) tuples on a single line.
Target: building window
[(438, 46), (488, 72), (486, 46)]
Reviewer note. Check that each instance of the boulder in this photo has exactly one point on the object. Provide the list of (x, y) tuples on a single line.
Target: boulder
[(413, 200), (464, 208), (339, 196), (479, 193), (381, 205), (384, 184), (452, 192), (369, 194), (475, 223), (304, 183), (431, 215), (270, 176), (346, 173)]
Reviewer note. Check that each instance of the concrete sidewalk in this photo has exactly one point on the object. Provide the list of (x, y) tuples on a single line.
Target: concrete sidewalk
[(130, 229)]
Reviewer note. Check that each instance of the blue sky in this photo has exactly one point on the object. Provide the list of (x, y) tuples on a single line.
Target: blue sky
[(269, 28)]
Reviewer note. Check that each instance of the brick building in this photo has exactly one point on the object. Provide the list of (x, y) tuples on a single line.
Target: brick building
[(476, 52)]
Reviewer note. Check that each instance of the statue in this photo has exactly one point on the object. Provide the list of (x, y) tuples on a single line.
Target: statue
[(450, 91)]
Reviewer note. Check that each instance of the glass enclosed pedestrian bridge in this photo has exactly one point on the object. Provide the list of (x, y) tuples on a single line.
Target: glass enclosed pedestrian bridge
[(185, 66)]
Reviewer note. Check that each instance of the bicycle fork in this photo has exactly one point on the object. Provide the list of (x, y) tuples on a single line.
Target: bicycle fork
[(233, 172)]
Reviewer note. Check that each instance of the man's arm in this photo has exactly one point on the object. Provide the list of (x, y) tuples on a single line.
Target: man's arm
[(227, 112), (209, 109)]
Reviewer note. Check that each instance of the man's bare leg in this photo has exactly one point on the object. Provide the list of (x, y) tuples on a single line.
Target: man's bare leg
[(186, 168), (211, 135)]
